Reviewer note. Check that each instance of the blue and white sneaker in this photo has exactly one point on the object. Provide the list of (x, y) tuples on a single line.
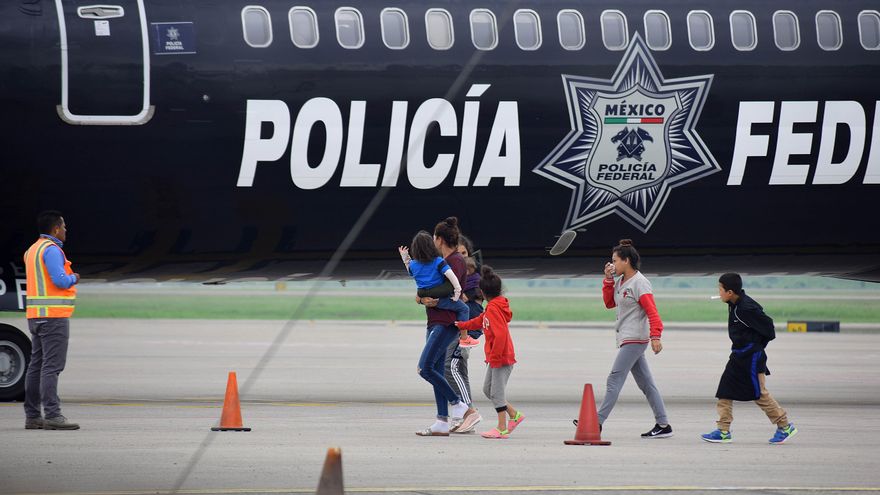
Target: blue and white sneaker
[(717, 436), (783, 434)]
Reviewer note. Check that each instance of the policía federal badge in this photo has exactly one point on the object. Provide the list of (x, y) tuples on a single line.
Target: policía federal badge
[(632, 140)]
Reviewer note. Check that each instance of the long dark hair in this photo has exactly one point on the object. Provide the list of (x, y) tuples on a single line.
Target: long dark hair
[(448, 231), (490, 282), (422, 248), (626, 251)]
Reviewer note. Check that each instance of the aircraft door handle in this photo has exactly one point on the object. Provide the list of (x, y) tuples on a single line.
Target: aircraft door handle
[(100, 11)]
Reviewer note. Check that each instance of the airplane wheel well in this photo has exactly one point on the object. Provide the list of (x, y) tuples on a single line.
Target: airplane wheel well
[(15, 354)]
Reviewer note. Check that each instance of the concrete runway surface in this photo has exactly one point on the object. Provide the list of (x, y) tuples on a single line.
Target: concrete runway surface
[(146, 393)]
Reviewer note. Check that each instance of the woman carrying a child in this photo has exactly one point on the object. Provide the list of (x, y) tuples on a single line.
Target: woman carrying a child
[(441, 332)]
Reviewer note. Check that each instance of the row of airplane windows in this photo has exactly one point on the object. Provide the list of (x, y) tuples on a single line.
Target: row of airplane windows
[(303, 22)]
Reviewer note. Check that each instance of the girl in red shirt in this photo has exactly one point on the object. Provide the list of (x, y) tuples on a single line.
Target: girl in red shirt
[(499, 352)]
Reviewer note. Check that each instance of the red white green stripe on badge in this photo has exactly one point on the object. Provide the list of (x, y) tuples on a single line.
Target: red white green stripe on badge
[(633, 120)]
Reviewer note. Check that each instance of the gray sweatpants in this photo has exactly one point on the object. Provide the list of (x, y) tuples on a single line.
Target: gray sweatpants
[(496, 382), (456, 371), (49, 338), (631, 358)]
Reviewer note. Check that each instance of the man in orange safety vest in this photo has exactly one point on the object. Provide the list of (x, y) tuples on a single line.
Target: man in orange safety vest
[(51, 297)]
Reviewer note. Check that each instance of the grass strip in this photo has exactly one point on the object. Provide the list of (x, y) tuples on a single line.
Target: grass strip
[(383, 307)]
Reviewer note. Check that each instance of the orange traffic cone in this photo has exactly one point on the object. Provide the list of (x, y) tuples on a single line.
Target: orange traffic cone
[(331, 475), (588, 422), (230, 420)]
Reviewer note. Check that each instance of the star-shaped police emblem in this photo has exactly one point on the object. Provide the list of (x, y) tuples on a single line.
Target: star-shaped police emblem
[(632, 140)]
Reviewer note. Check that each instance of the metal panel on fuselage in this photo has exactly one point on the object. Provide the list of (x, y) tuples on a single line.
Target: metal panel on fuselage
[(162, 199)]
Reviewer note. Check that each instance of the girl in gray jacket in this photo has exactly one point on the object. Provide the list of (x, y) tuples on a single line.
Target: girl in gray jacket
[(638, 323)]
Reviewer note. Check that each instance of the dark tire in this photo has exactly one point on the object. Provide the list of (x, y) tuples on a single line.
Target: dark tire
[(15, 354)]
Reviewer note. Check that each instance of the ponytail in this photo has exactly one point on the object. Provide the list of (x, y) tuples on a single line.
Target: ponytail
[(490, 282)]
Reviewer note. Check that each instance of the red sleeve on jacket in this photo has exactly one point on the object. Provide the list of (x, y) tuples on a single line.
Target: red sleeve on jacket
[(608, 293), (472, 324), (647, 303)]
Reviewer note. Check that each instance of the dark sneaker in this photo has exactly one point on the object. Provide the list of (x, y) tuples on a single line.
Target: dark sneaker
[(33, 424), (783, 434), (59, 423), (658, 432)]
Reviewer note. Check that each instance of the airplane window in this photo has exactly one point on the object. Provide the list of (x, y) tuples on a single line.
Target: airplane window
[(701, 31), (438, 23), (657, 31), (303, 27), (785, 30), (869, 29), (484, 32), (742, 30), (527, 29), (571, 29), (614, 30), (257, 26), (349, 28), (828, 30), (395, 29)]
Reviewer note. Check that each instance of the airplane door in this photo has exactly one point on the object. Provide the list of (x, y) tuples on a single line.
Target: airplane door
[(105, 62)]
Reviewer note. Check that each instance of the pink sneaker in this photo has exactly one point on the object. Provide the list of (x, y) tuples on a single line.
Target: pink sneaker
[(468, 342), (513, 423), (494, 433), (469, 422)]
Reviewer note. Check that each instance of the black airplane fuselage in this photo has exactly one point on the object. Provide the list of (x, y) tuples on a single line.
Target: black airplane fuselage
[(197, 156)]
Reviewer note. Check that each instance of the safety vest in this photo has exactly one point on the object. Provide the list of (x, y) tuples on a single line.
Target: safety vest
[(44, 298)]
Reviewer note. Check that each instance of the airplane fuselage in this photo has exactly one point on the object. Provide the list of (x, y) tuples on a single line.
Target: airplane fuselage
[(180, 144)]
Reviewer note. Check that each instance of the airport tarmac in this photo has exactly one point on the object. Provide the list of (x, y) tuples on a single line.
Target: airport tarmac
[(146, 393)]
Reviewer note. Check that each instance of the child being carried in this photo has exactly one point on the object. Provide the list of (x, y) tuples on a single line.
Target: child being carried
[(428, 268)]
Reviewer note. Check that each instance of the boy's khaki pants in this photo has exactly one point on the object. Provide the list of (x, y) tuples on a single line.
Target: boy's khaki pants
[(766, 402)]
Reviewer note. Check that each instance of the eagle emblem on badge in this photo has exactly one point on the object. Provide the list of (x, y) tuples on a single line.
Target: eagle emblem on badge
[(632, 143), (632, 140)]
